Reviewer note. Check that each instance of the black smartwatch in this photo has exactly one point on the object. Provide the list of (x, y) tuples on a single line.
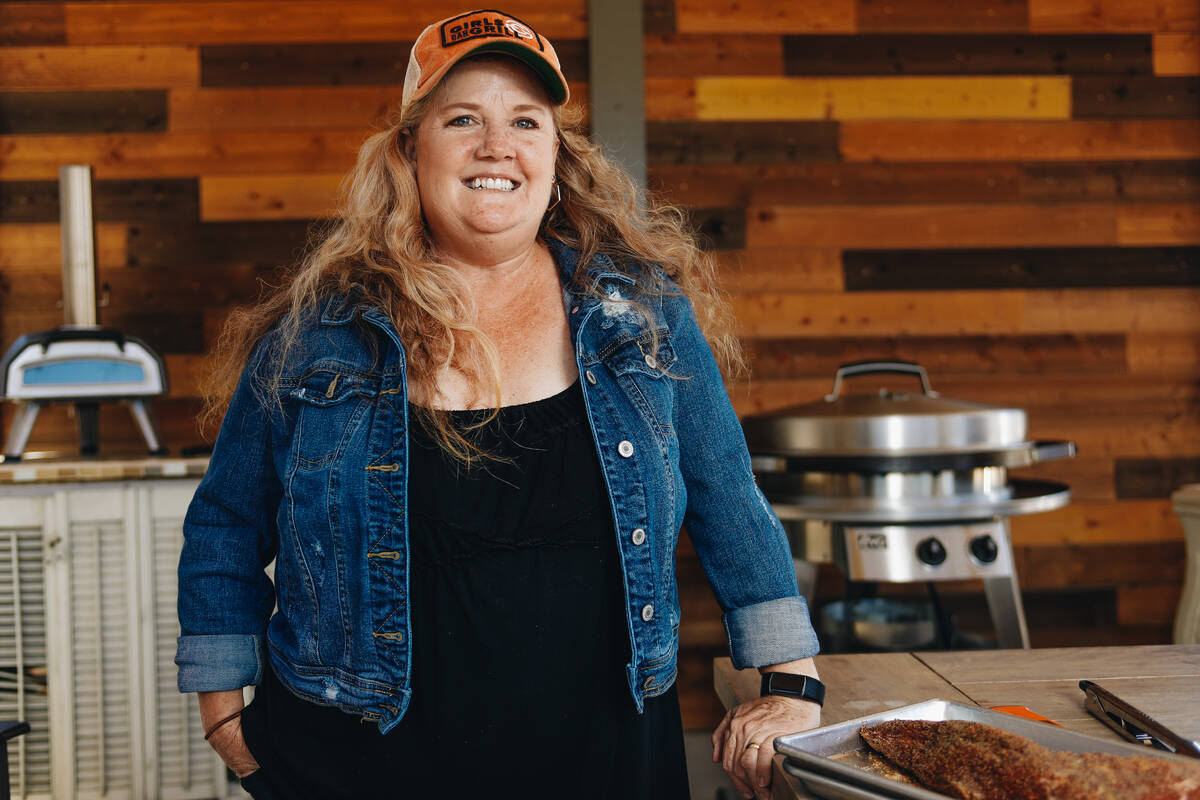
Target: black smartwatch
[(804, 687)]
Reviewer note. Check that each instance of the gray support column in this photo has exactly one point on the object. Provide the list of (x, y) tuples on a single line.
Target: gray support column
[(616, 82)]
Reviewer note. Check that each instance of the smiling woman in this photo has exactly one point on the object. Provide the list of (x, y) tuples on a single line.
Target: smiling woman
[(468, 433)]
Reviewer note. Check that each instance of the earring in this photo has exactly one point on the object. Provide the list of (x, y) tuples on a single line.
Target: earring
[(557, 192)]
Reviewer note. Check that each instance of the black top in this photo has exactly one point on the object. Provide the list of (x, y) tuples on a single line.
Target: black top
[(519, 639)]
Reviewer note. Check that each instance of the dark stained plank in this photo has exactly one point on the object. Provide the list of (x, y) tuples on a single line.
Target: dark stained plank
[(1115, 181), (173, 331), (1042, 268), (775, 359), (1051, 566), (173, 199), (335, 64), (1135, 97), (982, 54), (658, 16), (740, 142), (1155, 477), (939, 16), (83, 112), (693, 55), (268, 243), (32, 24), (719, 228)]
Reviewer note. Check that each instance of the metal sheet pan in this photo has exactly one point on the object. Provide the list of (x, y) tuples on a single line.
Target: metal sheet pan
[(811, 755)]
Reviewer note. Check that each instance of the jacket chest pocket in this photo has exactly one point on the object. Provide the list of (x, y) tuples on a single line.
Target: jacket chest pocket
[(330, 407), (642, 366)]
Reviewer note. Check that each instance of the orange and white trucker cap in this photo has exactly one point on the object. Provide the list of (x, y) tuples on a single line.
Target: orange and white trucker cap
[(443, 44)]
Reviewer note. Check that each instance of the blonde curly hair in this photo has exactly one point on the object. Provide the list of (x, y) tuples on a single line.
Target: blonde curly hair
[(378, 249)]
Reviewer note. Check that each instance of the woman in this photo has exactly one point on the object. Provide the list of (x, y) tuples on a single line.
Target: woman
[(469, 433)]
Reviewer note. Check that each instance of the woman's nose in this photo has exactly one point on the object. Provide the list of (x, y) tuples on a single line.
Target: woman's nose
[(496, 142)]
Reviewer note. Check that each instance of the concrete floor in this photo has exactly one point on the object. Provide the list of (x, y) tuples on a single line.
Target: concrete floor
[(706, 779)]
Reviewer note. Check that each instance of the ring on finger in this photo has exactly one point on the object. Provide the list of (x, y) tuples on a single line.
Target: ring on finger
[(753, 745)]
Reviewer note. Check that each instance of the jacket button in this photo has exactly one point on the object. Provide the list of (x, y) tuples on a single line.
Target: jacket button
[(651, 361), (647, 612), (625, 448), (639, 535), (591, 378)]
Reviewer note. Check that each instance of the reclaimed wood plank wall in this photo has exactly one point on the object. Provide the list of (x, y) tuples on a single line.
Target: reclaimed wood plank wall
[(1007, 192)]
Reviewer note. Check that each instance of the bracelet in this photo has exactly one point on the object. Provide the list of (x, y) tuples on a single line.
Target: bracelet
[(214, 728)]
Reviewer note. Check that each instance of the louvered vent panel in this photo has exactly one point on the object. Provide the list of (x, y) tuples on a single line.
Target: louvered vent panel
[(23, 659), (185, 759), (100, 646)]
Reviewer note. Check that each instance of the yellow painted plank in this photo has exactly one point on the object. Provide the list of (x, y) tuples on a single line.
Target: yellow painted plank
[(670, 99), (765, 16), (1158, 224), (926, 97), (161, 155), (247, 21), (304, 108), (1021, 141), (1176, 54), (885, 226), (1123, 16), (76, 68), (234, 197), (38, 246), (1124, 521)]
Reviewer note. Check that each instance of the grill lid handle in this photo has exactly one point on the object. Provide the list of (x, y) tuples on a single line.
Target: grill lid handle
[(872, 367)]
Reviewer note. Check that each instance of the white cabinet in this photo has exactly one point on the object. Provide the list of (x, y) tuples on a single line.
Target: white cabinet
[(87, 641)]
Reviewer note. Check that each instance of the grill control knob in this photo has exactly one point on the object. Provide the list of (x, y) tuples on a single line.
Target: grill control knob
[(931, 551), (984, 549)]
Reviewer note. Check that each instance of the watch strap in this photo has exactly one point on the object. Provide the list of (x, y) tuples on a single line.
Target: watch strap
[(804, 687)]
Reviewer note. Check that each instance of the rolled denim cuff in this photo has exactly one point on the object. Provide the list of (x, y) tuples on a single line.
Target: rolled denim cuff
[(771, 632), (215, 663)]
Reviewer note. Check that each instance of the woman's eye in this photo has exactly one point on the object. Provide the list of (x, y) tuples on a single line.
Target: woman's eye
[(525, 122), (460, 122)]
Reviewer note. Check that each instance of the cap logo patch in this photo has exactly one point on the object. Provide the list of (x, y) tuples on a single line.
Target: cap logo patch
[(486, 25)]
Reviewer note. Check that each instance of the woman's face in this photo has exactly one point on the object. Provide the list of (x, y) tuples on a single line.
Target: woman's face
[(484, 155)]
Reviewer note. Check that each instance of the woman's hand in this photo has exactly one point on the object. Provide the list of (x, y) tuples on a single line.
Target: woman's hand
[(227, 739), (744, 742)]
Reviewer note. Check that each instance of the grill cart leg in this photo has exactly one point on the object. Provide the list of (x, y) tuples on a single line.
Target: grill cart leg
[(145, 422), (1008, 614), (88, 417), (22, 426)]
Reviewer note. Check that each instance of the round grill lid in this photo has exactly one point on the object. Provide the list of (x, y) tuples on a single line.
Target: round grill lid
[(886, 423)]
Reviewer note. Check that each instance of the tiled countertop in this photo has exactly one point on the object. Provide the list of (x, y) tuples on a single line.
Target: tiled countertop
[(100, 469)]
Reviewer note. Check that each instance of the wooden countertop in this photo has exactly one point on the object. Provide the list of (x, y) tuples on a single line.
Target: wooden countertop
[(1162, 680), (100, 469)]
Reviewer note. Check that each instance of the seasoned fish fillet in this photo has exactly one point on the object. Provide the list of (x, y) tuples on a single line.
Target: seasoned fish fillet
[(979, 762)]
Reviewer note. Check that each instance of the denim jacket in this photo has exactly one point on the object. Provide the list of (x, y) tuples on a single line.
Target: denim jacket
[(318, 479)]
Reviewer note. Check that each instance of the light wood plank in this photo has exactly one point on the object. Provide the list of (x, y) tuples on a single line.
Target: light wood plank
[(765, 16), (962, 667), (670, 99), (788, 269), (180, 154), (1021, 141), (1127, 16), (1158, 223), (905, 226), (75, 68), (246, 21), (290, 108), (917, 98), (1123, 521), (238, 197), (1097, 310), (37, 247), (1148, 604), (1152, 353), (1176, 54)]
